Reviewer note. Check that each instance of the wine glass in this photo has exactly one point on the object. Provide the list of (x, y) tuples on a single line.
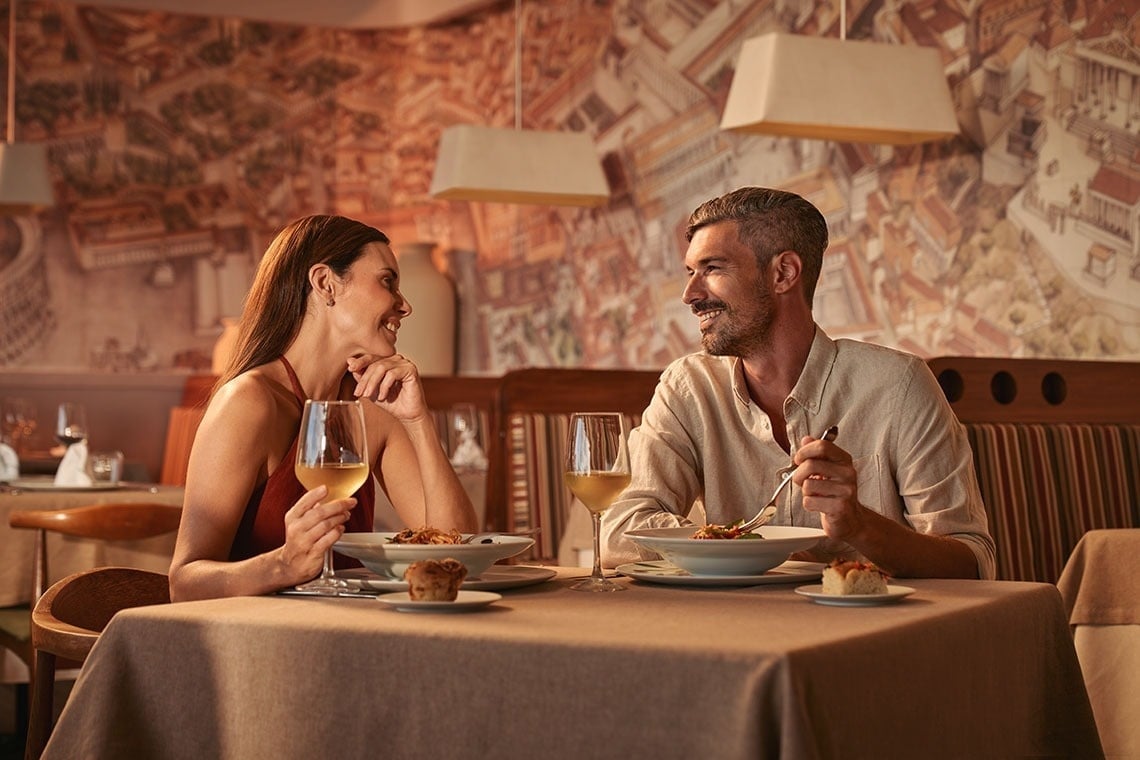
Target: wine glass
[(71, 424), (466, 453), (597, 470), (332, 451), (18, 419)]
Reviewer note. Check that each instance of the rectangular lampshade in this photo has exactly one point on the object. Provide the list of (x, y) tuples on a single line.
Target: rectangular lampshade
[(499, 165), (25, 185), (824, 88)]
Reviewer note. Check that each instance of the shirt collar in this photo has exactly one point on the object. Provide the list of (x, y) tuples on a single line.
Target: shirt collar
[(808, 391), (739, 389)]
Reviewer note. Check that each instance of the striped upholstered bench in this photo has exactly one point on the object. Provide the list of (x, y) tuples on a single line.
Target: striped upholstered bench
[(1056, 449)]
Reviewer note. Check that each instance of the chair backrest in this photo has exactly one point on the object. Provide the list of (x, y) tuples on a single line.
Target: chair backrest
[(67, 621), (130, 521), (526, 457), (70, 615), (181, 427)]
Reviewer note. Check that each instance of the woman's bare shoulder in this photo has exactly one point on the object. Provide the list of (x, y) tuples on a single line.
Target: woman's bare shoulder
[(253, 398)]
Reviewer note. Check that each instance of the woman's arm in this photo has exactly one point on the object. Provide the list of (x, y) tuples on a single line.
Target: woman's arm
[(237, 445), (410, 462)]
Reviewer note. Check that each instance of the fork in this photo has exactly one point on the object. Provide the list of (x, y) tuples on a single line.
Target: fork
[(488, 537), (769, 510)]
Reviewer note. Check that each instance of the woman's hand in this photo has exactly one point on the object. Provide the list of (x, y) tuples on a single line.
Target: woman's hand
[(311, 528), (391, 382)]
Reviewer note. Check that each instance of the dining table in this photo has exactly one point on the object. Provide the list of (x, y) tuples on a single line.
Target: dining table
[(1100, 586), (957, 668), (67, 554)]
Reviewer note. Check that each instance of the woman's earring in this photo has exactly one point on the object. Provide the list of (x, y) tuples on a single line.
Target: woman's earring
[(330, 302)]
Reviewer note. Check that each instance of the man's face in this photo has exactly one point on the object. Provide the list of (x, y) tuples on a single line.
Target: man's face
[(728, 292)]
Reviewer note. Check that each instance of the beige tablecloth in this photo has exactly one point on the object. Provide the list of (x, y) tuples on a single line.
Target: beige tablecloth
[(1101, 589), (960, 669), (1101, 580), (67, 555)]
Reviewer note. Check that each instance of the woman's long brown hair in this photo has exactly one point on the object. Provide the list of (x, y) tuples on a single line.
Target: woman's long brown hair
[(279, 295)]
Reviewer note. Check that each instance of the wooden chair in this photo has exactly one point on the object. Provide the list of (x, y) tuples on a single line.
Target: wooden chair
[(103, 522), (445, 392), (66, 622), (181, 427), (526, 455)]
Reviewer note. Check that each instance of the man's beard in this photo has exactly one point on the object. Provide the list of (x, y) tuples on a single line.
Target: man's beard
[(733, 339)]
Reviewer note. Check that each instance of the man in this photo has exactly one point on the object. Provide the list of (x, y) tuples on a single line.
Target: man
[(896, 487)]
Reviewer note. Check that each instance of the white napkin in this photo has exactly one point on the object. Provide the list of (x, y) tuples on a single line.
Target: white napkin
[(468, 454), (74, 469), (9, 463)]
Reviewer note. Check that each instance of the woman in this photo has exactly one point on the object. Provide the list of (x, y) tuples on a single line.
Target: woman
[(320, 322)]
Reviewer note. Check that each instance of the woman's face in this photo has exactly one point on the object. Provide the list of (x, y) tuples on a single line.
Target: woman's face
[(369, 305)]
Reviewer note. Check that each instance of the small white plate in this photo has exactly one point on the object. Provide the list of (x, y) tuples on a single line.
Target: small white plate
[(467, 600), (495, 578), (47, 484), (894, 594), (662, 571)]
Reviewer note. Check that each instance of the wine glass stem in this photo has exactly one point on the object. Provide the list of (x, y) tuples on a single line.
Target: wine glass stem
[(327, 570), (597, 574)]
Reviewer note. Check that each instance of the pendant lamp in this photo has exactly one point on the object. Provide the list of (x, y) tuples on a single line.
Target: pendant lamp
[(25, 186), (518, 165), (824, 88)]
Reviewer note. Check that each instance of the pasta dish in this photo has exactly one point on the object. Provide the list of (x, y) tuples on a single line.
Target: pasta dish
[(426, 535), (732, 530)]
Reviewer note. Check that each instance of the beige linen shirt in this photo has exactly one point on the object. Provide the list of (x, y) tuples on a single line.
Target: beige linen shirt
[(703, 441)]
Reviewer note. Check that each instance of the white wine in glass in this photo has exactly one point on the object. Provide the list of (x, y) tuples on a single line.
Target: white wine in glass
[(597, 470), (332, 451)]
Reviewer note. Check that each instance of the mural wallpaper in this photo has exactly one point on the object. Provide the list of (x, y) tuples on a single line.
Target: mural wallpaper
[(180, 144)]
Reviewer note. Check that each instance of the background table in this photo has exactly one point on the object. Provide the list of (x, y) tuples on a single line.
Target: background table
[(67, 555), (1101, 589), (960, 669)]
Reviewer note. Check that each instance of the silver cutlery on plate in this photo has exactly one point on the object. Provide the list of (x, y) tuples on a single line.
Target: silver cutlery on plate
[(769, 510)]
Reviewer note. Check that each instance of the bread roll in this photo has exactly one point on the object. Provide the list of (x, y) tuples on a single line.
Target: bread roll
[(435, 580)]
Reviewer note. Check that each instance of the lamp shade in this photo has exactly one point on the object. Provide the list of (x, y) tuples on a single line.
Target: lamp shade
[(824, 88), (25, 186), (518, 166)]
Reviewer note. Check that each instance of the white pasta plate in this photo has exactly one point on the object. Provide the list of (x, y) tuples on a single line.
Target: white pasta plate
[(384, 558), (726, 557), (894, 594), (661, 571)]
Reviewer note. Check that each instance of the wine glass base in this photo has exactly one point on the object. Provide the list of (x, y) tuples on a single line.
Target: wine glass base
[(596, 584), (324, 586)]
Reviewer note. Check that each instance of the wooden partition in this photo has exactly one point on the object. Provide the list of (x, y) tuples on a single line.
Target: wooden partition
[(988, 389), (1056, 450)]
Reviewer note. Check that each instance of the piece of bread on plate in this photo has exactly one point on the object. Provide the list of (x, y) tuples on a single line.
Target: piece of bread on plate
[(853, 577), (435, 580)]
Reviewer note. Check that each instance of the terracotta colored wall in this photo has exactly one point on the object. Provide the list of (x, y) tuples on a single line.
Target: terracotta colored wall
[(181, 144)]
